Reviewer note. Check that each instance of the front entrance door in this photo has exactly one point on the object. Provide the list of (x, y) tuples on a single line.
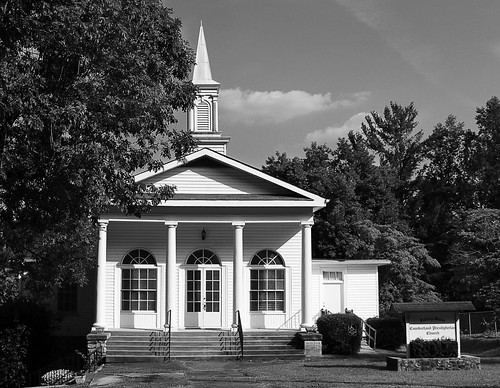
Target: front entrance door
[(203, 297)]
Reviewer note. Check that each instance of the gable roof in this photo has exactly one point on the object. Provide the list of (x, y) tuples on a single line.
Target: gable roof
[(205, 176)]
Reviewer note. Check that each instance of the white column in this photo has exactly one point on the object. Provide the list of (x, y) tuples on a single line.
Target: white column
[(215, 114), (190, 120), (238, 268), (100, 319), (307, 312), (171, 268)]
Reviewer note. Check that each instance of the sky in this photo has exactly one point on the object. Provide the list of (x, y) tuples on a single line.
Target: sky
[(297, 71)]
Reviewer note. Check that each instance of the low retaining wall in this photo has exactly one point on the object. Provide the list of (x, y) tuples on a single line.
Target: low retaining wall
[(421, 364)]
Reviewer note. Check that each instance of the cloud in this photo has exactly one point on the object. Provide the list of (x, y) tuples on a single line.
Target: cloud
[(397, 30), (496, 51), (277, 107), (330, 135)]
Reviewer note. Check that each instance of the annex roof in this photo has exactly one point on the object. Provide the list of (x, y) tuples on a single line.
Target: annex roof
[(205, 176), (432, 306)]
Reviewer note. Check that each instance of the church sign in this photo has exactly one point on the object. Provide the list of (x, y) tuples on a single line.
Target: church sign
[(432, 321), (432, 325)]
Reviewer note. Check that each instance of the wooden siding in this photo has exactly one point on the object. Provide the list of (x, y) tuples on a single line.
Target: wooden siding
[(125, 236), (360, 286), (214, 179), (361, 290)]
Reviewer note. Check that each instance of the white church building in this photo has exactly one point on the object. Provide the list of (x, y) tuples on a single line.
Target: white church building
[(231, 239)]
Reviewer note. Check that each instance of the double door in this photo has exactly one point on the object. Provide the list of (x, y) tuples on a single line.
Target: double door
[(203, 297)]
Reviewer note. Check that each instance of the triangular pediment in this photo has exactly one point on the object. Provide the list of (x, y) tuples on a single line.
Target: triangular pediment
[(208, 175)]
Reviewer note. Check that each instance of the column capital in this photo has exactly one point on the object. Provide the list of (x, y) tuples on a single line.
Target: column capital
[(171, 224), (306, 224), (102, 224), (238, 224)]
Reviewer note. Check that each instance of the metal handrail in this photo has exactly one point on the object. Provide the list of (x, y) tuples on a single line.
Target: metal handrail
[(240, 335), (160, 340)]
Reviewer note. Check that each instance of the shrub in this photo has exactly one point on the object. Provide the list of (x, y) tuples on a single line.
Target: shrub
[(433, 349), (341, 333), (13, 349), (391, 332)]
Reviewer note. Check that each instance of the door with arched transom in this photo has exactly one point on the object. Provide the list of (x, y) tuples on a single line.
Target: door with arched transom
[(203, 290)]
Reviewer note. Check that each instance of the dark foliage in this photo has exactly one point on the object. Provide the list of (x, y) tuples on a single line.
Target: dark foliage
[(433, 349), (391, 332), (13, 350), (341, 333)]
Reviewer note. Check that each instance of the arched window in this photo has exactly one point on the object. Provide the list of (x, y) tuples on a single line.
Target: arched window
[(203, 256), (139, 281), (267, 281)]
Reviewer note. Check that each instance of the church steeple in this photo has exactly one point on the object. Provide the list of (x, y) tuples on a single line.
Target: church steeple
[(203, 119), (202, 75)]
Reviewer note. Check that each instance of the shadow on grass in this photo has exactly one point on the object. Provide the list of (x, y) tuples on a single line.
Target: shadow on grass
[(347, 366)]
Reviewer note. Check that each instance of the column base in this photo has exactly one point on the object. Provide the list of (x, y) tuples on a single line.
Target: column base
[(98, 328)]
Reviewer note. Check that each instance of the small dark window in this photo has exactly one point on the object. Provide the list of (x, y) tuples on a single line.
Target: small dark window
[(67, 298)]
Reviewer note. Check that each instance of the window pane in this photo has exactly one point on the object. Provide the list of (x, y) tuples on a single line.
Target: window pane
[(135, 305)]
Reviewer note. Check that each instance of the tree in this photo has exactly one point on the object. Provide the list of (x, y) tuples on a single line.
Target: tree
[(391, 137), (445, 184), (475, 257), (88, 92), (488, 123), (405, 278)]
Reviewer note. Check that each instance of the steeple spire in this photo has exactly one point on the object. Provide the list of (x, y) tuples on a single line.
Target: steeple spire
[(202, 75), (203, 119)]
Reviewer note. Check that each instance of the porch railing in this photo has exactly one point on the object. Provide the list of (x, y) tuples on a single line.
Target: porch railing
[(292, 323), (370, 334), (160, 340)]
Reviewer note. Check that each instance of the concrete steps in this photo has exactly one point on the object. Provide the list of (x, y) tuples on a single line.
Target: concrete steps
[(135, 346)]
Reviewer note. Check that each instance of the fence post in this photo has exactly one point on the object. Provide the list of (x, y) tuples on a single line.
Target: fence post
[(470, 327)]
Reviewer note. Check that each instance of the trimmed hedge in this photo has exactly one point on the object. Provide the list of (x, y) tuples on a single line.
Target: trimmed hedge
[(391, 332), (341, 333), (420, 348)]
